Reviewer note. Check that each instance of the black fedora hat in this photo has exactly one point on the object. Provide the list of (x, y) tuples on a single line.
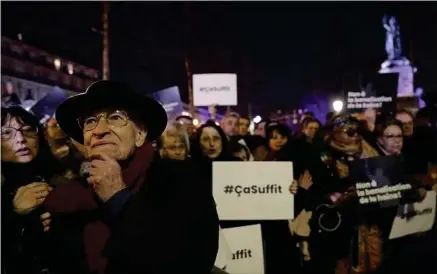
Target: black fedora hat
[(105, 94)]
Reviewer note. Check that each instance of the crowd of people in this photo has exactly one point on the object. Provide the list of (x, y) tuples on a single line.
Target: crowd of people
[(110, 186)]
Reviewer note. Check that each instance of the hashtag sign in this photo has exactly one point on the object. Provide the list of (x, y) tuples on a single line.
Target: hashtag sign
[(228, 189)]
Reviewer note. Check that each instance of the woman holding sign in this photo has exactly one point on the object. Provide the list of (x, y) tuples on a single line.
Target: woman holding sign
[(390, 139)]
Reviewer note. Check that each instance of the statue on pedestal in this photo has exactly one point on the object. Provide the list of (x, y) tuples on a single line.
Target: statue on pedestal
[(393, 45), (396, 63), (393, 39)]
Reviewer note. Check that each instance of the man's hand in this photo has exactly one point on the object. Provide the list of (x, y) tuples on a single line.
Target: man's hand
[(29, 197), (105, 176)]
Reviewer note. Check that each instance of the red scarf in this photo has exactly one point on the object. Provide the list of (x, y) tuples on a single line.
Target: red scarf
[(73, 197)]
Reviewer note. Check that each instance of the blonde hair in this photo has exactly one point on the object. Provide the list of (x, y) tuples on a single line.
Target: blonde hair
[(176, 130)]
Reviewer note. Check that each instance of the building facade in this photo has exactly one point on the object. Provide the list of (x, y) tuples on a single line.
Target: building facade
[(29, 74)]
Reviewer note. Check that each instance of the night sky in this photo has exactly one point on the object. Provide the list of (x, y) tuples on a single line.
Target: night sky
[(279, 50)]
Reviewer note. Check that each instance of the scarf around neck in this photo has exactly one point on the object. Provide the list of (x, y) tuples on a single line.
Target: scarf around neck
[(74, 197)]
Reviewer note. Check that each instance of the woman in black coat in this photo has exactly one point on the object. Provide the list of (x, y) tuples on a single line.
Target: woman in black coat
[(27, 166)]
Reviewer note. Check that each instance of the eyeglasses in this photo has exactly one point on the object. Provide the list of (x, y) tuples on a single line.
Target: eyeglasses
[(27, 131), (115, 119)]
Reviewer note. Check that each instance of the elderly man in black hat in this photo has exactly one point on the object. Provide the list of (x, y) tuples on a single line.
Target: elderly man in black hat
[(132, 214)]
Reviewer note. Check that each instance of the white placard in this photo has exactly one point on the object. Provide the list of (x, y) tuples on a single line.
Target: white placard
[(253, 190), (215, 89), (224, 254), (247, 250), (414, 218)]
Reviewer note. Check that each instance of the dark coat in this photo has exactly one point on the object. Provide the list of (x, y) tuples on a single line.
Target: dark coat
[(169, 226)]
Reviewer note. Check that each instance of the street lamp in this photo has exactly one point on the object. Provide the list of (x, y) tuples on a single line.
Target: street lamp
[(257, 119), (57, 63), (337, 105)]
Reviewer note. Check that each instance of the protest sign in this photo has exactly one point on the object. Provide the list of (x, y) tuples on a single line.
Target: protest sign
[(380, 95), (46, 107), (414, 218), (253, 190), (379, 181), (362, 100), (215, 89), (246, 246), (170, 99), (224, 254)]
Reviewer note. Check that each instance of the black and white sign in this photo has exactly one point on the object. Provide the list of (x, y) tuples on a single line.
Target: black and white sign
[(361, 100), (379, 181)]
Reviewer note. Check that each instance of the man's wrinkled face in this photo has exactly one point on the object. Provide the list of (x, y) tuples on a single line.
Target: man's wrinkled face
[(112, 132), (407, 123), (392, 140), (311, 129), (243, 126), (173, 148), (229, 125), (211, 142)]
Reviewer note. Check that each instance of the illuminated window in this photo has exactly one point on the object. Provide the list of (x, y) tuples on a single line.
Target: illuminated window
[(70, 69), (57, 63)]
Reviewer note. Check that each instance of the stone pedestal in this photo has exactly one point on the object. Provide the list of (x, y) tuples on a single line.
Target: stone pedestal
[(406, 76), (410, 103)]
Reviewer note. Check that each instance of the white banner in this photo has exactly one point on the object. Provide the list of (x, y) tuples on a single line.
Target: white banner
[(414, 218), (215, 89), (247, 250), (253, 190)]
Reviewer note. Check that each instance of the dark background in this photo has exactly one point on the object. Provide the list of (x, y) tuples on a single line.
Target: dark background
[(279, 50)]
